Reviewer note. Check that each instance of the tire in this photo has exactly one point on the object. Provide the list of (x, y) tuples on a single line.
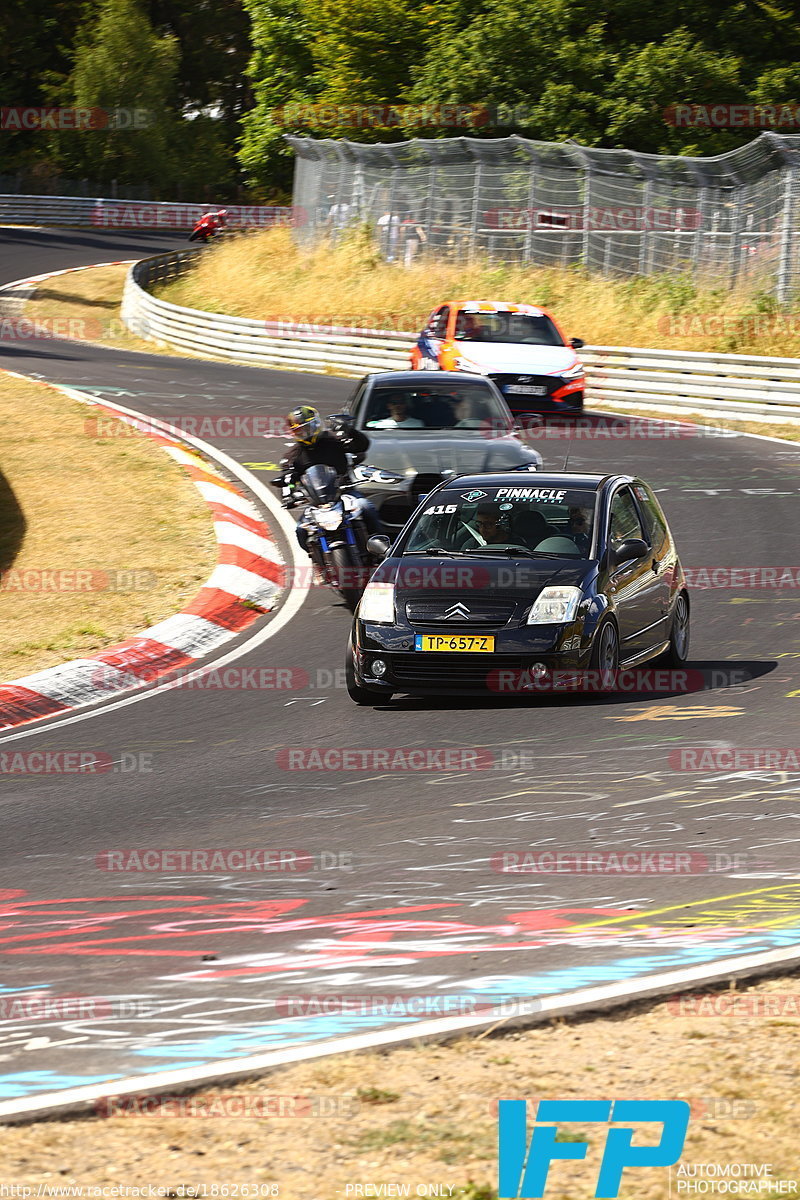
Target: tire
[(358, 694), (605, 650), (677, 652), (345, 564)]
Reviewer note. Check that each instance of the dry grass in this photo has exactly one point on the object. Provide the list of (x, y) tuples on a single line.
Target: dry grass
[(267, 276), (115, 507), (83, 305), (426, 1114)]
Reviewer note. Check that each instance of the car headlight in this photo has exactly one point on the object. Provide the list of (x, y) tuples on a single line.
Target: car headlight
[(367, 474), (466, 364), (555, 606), (377, 603), (573, 373)]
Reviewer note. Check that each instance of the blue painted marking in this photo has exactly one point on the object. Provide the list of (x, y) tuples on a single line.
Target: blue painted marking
[(28, 1083)]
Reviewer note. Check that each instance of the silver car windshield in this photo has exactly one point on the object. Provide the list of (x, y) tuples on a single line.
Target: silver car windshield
[(471, 405)]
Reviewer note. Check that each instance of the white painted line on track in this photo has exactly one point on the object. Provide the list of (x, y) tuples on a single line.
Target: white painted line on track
[(531, 1012)]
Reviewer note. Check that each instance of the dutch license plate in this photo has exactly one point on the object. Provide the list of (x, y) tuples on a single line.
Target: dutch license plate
[(527, 389), (459, 643)]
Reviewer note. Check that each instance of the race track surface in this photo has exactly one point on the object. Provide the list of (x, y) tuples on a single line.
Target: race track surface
[(397, 892)]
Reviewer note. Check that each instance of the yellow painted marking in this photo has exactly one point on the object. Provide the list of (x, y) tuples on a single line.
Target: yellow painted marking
[(264, 466), (664, 712), (657, 912)]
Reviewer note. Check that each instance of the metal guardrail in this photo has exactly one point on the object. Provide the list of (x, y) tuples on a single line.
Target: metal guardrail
[(634, 376), (106, 213)]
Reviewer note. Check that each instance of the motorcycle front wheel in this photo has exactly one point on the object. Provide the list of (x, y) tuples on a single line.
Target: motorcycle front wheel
[(346, 569)]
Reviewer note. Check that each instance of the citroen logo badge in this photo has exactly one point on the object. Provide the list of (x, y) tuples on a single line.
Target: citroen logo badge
[(458, 610)]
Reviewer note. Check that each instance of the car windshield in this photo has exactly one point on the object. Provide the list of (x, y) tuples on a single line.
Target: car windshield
[(544, 520), (521, 328), (471, 405)]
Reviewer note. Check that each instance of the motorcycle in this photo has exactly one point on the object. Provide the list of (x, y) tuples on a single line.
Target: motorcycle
[(337, 538), (209, 226)]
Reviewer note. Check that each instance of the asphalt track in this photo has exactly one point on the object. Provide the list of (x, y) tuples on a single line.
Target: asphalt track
[(191, 965)]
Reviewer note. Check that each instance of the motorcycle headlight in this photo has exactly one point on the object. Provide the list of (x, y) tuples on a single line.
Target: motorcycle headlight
[(555, 606), (377, 603), (329, 518), (573, 373)]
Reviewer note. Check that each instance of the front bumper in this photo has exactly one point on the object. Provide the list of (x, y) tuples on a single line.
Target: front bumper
[(558, 394), (505, 671)]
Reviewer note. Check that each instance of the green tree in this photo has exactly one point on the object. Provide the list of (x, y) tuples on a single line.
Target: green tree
[(279, 70), (122, 66)]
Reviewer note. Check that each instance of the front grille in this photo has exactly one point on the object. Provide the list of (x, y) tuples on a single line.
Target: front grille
[(489, 614), (548, 382), (478, 672)]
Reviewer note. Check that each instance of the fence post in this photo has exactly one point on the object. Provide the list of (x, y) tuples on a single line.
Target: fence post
[(788, 232), (476, 204), (527, 253), (645, 244), (587, 214)]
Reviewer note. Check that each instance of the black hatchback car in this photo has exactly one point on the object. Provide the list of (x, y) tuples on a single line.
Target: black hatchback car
[(497, 577)]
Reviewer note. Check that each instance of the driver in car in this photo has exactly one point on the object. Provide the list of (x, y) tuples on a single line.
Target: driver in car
[(398, 417), (489, 524)]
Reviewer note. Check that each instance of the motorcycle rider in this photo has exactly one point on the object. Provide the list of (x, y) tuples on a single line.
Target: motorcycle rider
[(317, 445)]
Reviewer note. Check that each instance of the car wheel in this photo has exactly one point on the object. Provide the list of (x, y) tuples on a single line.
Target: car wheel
[(605, 651), (359, 694), (678, 650)]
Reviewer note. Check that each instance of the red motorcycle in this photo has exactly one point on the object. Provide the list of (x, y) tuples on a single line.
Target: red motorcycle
[(209, 226)]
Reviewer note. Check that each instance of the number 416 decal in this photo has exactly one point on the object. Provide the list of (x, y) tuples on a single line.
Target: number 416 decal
[(438, 509)]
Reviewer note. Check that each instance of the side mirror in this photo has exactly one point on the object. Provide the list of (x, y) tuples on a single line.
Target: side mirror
[(577, 343), (379, 545), (344, 419), (632, 548)]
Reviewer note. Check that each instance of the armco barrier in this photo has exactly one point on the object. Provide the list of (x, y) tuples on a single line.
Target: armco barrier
[(633, 376), (104, 213)]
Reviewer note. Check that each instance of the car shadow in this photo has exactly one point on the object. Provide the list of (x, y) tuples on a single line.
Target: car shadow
[(701, 676), (12, 525)]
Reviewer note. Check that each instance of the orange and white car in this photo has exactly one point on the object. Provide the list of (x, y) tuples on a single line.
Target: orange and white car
[(518, 346)]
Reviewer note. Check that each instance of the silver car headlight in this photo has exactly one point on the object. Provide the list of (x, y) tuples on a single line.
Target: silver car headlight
[(555, 606), (377, 603), (466, 364), (367, 474), (573, 373)]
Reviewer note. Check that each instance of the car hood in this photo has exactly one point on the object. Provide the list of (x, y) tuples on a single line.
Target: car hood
[(521, 579), (465, 452), (498, 357)]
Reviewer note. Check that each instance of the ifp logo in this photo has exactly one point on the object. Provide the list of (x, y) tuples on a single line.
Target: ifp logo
[(523, 1171)]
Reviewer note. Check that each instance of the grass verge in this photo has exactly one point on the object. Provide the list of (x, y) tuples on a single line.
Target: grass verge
[(117, 510), (83, 305), (268, 276), (437, 1126)]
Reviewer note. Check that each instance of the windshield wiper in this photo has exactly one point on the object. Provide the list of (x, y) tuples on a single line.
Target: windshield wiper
[(439, 550), (492, 551)]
